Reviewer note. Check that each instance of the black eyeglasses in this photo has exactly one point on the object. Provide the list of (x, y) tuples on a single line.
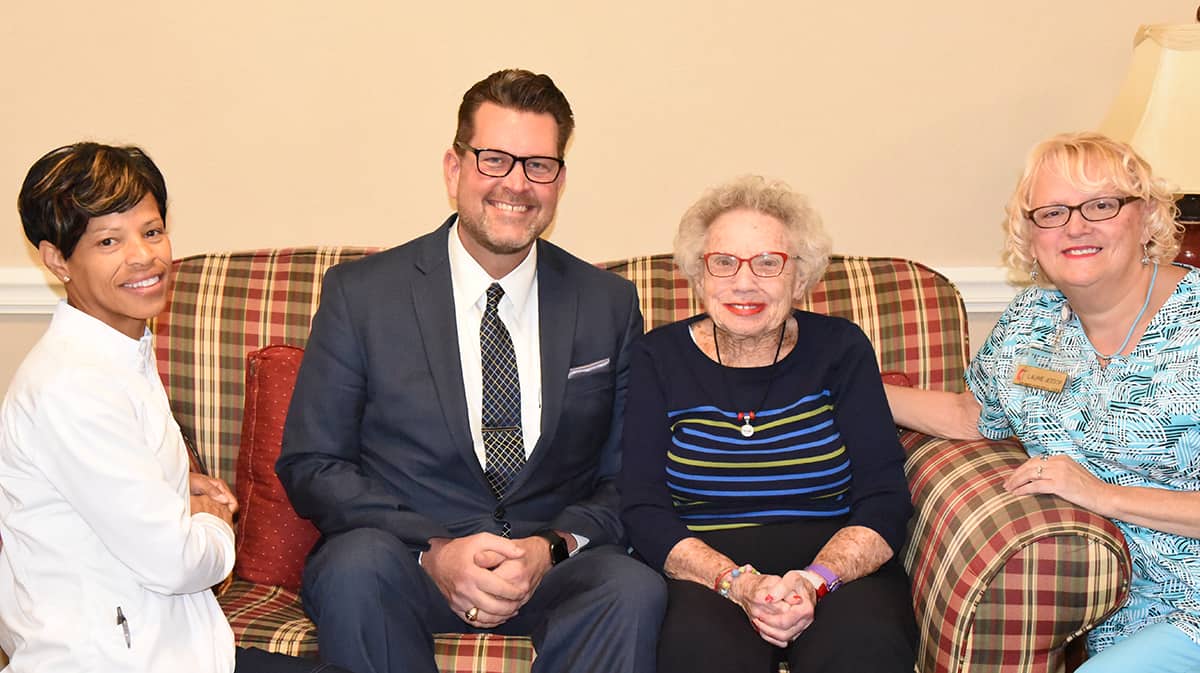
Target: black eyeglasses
[(498, 164), (763, 265), (1093, 210)]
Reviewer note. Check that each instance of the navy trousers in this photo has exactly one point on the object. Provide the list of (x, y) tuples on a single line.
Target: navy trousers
[(376, 609)]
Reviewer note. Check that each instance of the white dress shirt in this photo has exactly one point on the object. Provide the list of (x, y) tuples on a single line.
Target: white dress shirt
[(95, 515), (518, 311)]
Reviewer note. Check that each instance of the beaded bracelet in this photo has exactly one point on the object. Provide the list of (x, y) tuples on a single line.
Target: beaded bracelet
[(717, 584), (722, 585)]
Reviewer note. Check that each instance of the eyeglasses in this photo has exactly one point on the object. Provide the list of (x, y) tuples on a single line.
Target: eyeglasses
[(763, 265), (1094, 210), (498, 164)]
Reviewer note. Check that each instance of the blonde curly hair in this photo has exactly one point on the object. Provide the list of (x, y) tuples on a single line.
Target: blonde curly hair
[(1095, 163)]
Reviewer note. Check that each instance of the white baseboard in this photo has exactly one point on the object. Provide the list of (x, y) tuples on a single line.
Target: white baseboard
[(29, 291)]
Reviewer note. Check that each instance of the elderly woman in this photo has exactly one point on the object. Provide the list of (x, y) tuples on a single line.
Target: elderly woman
[(110, 544), (761, 470), (1096, 370)]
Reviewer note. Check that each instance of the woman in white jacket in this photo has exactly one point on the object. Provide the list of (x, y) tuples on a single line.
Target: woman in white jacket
[(110, 544)]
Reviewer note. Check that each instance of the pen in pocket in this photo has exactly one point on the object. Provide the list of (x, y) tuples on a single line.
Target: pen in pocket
[(124, 624), (193, 453)]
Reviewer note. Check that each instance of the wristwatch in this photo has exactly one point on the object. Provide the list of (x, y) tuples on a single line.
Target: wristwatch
[(558, 546)]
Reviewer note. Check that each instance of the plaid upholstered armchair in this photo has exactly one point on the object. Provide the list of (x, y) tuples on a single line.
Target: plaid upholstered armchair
[(1000, 583)]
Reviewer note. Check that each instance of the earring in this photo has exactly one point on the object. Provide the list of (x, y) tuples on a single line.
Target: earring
[(1034, 272), (66, 279), (1145, 254)]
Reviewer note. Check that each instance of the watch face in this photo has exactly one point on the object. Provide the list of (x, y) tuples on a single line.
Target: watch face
[(558, 546), (558, 551)]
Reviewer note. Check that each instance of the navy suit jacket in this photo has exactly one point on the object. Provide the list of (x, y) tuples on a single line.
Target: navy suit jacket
[(377, 433)]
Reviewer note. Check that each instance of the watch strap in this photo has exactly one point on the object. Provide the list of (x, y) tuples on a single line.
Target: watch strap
[(559, 551), (832, 581)]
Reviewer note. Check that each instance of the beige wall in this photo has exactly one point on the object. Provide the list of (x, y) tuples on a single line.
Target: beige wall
[(19, 332), (301, 122)]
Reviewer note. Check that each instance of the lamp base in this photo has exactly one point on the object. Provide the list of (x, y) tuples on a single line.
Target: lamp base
[(1189, 217)]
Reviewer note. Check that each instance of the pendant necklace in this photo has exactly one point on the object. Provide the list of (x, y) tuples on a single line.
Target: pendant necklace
[(1133, 327), (746, 416)]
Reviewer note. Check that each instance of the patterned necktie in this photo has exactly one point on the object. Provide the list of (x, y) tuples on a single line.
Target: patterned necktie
[(504, 447)]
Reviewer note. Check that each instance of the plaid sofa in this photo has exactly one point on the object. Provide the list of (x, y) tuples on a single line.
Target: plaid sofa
[(1000, 583)]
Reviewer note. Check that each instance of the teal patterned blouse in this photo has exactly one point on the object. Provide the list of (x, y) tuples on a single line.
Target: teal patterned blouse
[(1133, 423)]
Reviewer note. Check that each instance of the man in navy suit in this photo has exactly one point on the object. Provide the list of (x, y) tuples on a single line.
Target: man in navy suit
[(435, 516)]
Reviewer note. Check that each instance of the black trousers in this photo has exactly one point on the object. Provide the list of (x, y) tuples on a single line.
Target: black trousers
[(254, 660), (376, 609), (866, 626)]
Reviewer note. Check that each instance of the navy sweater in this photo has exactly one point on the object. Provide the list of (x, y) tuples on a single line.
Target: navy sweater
[(824, 444)]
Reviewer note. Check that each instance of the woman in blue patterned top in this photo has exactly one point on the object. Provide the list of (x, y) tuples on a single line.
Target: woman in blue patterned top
[(1095, 370), (761, 468)]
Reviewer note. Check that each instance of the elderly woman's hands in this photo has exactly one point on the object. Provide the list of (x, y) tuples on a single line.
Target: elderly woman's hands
[(780, 608)]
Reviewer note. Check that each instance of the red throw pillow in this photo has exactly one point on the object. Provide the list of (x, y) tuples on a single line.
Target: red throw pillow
[(272, 540)]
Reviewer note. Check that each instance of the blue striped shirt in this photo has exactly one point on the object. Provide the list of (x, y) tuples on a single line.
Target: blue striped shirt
[(794, 465)]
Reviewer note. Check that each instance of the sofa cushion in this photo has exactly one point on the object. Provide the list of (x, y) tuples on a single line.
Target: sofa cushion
[(223, 306), (272, 540), (269, 618), (272, 619)]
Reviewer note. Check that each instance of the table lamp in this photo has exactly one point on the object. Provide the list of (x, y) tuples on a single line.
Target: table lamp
[(1157, 111)]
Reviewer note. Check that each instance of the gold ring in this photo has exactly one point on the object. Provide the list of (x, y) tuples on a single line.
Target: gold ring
[(471, 614)]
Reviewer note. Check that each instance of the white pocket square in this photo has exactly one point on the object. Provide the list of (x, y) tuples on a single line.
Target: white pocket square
[(589, 368)]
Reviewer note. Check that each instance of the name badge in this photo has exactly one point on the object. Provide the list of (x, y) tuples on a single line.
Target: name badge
[(1043, 379), (1034, 371)]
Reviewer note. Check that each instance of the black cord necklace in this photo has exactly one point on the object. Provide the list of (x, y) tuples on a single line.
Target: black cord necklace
[(745, 417)]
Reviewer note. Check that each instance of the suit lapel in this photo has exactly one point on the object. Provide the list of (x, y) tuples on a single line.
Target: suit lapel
[(557, 305), (433, 299)]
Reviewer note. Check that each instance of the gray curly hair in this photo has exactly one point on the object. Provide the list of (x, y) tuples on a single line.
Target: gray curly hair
[(809, 242)]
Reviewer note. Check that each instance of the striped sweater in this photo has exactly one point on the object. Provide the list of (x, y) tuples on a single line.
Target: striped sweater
[(823, 442)]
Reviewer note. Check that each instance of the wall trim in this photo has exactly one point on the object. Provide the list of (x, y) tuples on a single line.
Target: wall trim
[(30, 291), (985, 289)]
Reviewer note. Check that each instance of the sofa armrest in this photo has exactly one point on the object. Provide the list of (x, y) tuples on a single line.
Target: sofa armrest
[(1001, 582)]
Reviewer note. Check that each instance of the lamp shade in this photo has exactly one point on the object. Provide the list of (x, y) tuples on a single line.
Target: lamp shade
[(1157, 109)]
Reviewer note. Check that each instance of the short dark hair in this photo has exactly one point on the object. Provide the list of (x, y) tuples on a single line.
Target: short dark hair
[(72, 184), (517, 90)]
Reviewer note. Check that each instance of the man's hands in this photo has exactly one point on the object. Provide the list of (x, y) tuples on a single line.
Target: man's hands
[(495, 575), (209, 494), (780, 608)]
